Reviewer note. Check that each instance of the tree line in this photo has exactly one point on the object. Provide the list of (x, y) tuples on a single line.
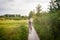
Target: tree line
[(12, 17)]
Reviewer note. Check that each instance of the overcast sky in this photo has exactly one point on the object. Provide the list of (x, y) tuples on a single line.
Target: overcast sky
[(22, 7)]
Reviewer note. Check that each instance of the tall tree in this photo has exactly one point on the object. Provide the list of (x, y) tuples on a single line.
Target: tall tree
[(38, 9), (55, 23), (54, 5), (58, 4), (31, 14)]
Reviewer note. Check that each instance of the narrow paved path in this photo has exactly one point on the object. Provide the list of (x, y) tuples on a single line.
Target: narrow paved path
[(33, 35)]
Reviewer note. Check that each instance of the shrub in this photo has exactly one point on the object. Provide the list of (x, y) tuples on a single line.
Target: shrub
[(43, 27)]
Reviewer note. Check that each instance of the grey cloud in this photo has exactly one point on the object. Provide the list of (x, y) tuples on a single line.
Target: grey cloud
[(41, 1), (13, 6), (10, 0)]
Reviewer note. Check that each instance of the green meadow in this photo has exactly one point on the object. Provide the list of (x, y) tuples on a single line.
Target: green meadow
[(13, 30)]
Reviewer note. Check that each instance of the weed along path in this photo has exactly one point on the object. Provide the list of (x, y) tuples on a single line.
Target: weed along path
[(33, 35)]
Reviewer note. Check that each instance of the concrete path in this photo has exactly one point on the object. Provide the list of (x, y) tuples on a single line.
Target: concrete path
[(33, 35)]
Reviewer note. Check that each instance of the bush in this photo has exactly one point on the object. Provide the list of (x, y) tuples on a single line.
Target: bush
[(55, 25), (43, 27), (48, 26)]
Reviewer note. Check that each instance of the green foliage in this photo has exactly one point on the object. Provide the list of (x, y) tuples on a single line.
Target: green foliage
[(38, 10), (2, 33), (24, 32), (13, 30), (48, 26), (55, 25), (58, 4), (55, 19), (12, 17), (21, 33), (54, 6), (42, 26), (31, 14)]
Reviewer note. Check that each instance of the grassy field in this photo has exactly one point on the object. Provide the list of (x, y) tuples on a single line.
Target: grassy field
[(13, 30), (12, 23)]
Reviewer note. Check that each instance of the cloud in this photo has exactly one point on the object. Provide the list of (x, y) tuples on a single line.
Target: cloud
[(21, 6)]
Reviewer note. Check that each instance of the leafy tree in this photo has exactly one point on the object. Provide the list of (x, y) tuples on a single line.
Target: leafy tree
[(38, 9), (31, 14), (58, 4), (54, 6), (55, 18)]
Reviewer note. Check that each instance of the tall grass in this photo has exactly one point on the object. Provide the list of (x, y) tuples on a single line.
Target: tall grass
[(13, 30), (43, 27)]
